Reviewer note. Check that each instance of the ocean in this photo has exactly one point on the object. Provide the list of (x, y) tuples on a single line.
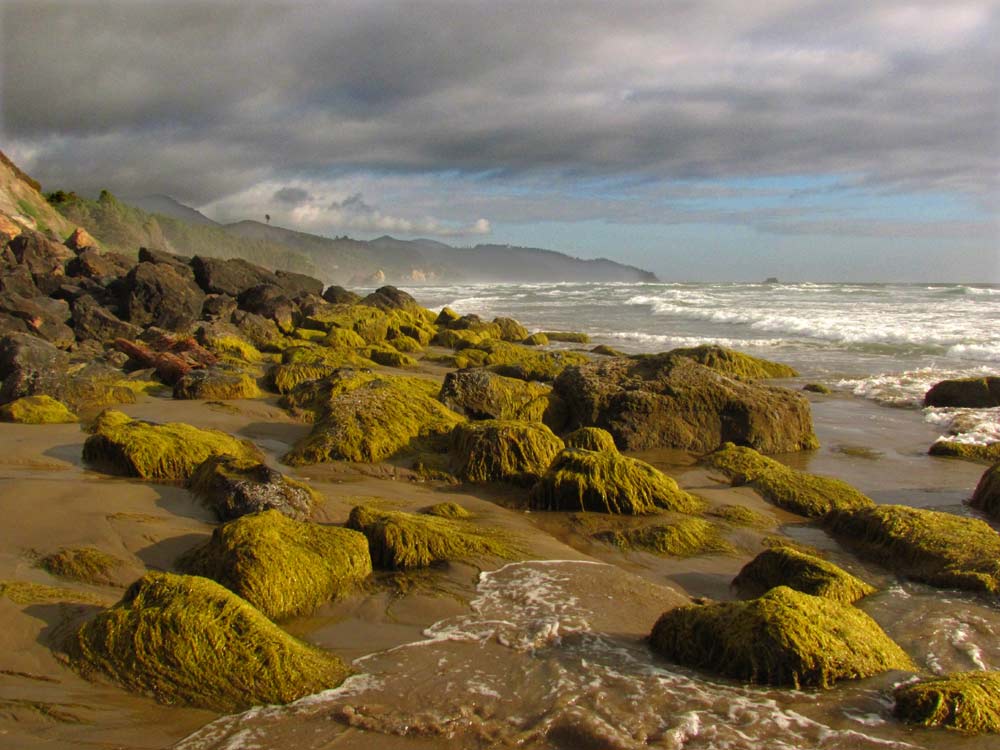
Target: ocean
[(549, 654)]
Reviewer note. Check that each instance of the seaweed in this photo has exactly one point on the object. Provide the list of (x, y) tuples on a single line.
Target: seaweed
[(735, 364), (685, 537), (591, 439), (783, 638), (496, 450), (965, 701), (39, 409), (536, 339), (215, 385), (569, 337), (986, 496), (741, 515), (25, 593), (811, 575), (986, 453), (85, 564), (447, 510)]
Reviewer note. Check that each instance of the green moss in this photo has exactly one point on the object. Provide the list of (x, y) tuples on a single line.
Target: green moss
[(188, 640), (806, 494), (607, 482), (285, 378), (591, 439), (315, 394), (172, 451), (987, 494), (775, 541), (811, 575), (607, 351), (446, 317), (311, 334), (281, 566), (24, 593), (373, 421), (568, 337), (741, 515), (229, 345), (461, 339), (858, 451), (536, 339), (510, 329), (216, 386), (40, 409), (516, 361), (447, 510), (389, 357), (85, 564), (406, 344), (817, 388), (399, 541), (735, 364), (481, 394), (966, 701), (313, 354), (343, 338), (683, 538), (970, 451), (937, 548), (783, 638), (496, 450)]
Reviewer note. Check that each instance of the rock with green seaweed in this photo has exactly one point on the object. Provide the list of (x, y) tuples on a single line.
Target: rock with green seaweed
[(741, 515), (525, 363), (940, 549), (464, 338), (25, 593), (216, 384), (400, 541), (735, 364), (784, 566), (817, 388), (808, 495), (172, 451), (983, 452), (480, 394), (39, 409), (536, 339), (591, 439), (226, 340), (447, 510), (343, 338), (510, 329), (606, 482), (684, 537), (234, 487), (190, 641), (567, 337), (406, 344), (986, 496), (282, 566), (972, 393), (783, 638), (84, 564), (375, 420), (284, 378), (968, 702), (607, 351), (390, 357), (501, 450), (671, 401)]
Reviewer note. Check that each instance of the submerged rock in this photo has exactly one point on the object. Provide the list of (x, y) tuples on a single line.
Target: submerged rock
[(671, 401), (808, 495), (399, 541), (281, 566), (234, 487), (187, 640), (987, 452), (497, 450), (171, 451), (987, 495), (973, 393), (966, 701), (784, 566), (784, 638), (606, 482), (929, 546), (40, 409)]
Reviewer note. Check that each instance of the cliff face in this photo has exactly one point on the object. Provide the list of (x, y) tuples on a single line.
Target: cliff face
[(22, 202)]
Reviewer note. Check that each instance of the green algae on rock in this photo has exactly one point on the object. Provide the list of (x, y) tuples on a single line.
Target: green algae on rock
[(447, 510), (940, 549), (987, 453), (685, 537), (498, 450), (234, 487), (784, 566), (481, 394), (39, 409), (975, 393), (84, 564), (389, 357), (606, 482), (591, 439), (216, 385), (281, 566), (741, 515), (784, 638), (525, 363), (808, 495), (735, 364), (817, 388), (567, 337), (188, 640), (536, 339), (171, 451), (966, 701), (987, 494), (400, 541), (24, 593)]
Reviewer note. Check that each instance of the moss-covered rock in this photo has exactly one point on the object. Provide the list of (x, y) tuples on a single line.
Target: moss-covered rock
[(226, 341), (987, 494), (343, 338), (741, 515), (966, 701), (480, 394), (85, 564), (685, 537), (446, 317), (378, 418), (735, 364), (284, 378), (234, 487), (463, 338), (536, 339), (24, 593), (607, 351), (929, 546), (37, 410), (447, 510), (517, 361), (591, 439), (974, 393), (281, 566), (784, 566), (783, 638), (399, 541), (216, 385), (808, 495), (188, 640), (510, 329), (567, 337), (606, 482), (497, 450), (406, 344), (985, 452), (171, 451), (389, 357), (817, 388)]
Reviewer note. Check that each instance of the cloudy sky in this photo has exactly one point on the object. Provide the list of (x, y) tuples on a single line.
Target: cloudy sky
[(702, 139)]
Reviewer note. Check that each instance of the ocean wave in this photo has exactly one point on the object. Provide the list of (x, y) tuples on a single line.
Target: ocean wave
[(969, 426), (906, 388)]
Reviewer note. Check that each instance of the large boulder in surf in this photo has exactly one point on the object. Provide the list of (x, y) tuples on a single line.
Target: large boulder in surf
[(671, 401), (784, 566), (188, 640), (158, 295), (966, 701), (987, 495), (973, 393), (784, 638)]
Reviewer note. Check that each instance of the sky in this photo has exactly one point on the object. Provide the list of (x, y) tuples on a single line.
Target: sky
[(701, 139)]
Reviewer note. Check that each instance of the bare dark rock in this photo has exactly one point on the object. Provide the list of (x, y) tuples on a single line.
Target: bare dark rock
[(390, 298), (298, 283), (337, 295), (219, 307), (92, 321), (92, 264), (232, 277), (30, 366), (19, 280), (273, 303), (180, 263), (259, 331), (158, 295), (234, 488), (45, 317)]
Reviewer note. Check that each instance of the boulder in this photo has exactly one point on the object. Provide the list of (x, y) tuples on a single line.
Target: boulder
[(80, 240), (591, 439), (784, 638), (180, 263), (566, 337), (216, 385), (671, 401), (447, 316), (91, 264), (536, 339), (157, 295), (30, 366), (497, 450), (525, 363), (187, 640), (227, 342), (259, 331), (92, 321), (272, 303), (43, 257), (391, 298), (232, 277), (966, 701), (480, 394), (43, 316), (219, 307), (39, 409), (784, 566), (735, 364), (973, 393), (232, 488), (281, 566), (337, 295), (510, 329), (987, 494), (18, 280), (298, 283), (984, 452)]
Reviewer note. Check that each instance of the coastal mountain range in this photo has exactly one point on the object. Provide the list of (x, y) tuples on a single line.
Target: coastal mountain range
[(162, 223)]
